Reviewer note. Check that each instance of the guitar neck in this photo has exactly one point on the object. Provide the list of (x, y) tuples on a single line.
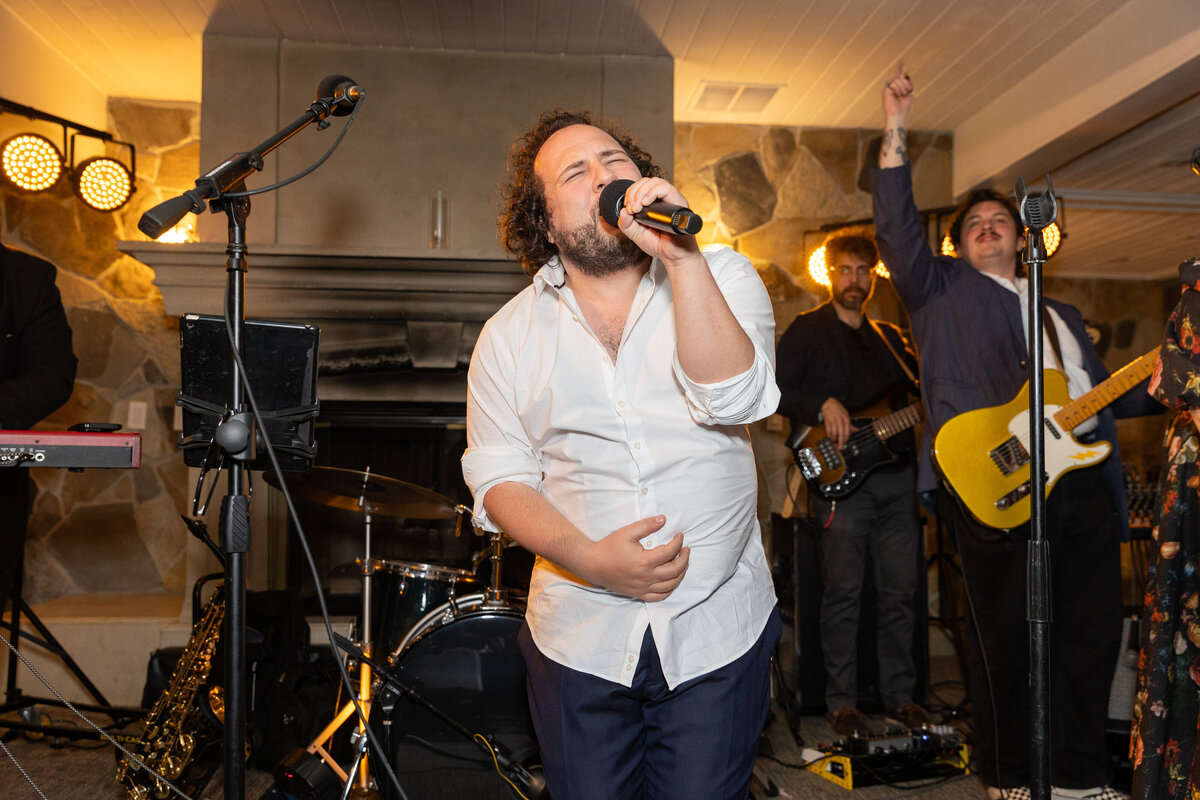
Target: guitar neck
[(1117, 384), (902, 420)]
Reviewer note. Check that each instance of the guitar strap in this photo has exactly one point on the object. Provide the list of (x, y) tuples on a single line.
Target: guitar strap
[(892, 349), (1052, 332)]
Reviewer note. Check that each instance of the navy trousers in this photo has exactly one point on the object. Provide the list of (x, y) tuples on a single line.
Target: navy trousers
[(600, 740)]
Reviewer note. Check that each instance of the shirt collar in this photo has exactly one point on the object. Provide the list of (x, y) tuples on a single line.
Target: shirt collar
[(1016, 285), (553, 275), (550, 275)]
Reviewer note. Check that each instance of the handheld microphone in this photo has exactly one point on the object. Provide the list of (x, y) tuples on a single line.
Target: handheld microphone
[(662, 216), (341, 92), (1038, 211)]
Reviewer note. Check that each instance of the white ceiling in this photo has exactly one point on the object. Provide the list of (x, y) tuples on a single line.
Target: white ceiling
[(1120, 78)]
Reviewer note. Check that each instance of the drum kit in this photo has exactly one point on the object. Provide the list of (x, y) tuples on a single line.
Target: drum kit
[(440, 677)]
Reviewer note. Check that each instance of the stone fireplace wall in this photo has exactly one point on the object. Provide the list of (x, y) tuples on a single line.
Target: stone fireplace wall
[(112, 531)]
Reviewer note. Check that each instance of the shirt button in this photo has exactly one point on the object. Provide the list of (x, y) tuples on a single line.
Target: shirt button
[(630, 659), (628, 668), (645, 490), (620, 404), (637, 445)]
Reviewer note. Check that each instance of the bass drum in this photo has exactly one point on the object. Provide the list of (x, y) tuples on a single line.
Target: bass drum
[(463, 659)]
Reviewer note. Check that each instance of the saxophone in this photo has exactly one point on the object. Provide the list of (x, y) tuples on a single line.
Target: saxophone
[(179, 723)]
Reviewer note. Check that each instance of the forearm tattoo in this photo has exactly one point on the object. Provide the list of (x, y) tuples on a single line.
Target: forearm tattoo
[(895, 140)]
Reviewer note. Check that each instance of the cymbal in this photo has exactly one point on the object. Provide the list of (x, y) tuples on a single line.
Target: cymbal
[(342, 488)]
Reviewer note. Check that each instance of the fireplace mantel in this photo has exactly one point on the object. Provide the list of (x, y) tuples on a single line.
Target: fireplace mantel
[(282, 283), (393, 326)]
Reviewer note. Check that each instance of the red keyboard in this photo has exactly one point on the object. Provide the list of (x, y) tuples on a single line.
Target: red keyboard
[(70, 449)]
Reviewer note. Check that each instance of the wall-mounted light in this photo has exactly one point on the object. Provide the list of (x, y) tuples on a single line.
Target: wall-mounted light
[(32, 163)]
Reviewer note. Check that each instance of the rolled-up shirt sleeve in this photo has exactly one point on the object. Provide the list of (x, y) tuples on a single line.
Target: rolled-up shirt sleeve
[(498, 450), (753, 394)]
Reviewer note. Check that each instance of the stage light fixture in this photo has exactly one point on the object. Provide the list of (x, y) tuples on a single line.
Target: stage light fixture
[(30, 162), (103, 183)]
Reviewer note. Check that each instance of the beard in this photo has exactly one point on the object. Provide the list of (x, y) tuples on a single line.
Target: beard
[(851, 297), (594, 252)]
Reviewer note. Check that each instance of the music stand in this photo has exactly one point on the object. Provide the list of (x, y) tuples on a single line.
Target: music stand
[(281, 362)]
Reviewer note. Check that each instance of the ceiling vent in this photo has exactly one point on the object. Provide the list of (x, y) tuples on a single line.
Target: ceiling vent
[(739, 98)]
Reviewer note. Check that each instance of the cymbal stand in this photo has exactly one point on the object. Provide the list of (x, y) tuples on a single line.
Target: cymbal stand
[(359, 779), (364, 669)]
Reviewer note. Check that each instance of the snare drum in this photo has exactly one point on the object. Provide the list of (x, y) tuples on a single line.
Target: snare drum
[(403, 592), (462, 658)]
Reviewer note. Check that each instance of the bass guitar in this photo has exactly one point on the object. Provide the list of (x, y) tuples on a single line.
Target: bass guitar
[(984, 454), (836, 473)]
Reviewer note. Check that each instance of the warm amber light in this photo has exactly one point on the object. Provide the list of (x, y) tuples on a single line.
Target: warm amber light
[(30, 162), (820, 274), (103, 183)]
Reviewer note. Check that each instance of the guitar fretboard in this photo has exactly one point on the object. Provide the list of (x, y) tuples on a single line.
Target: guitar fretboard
[(1117, 384), (905, 418)]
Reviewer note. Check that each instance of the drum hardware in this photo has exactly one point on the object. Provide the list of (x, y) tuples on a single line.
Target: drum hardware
[(496, 554), (406, 591), (422, 607), (527, 782), (370, 494)]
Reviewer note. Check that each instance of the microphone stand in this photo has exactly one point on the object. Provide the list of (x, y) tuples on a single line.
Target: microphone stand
[(1038, 608), (221, 186)]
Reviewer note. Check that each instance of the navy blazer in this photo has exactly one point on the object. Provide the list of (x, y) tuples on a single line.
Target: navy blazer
[(968, 331)]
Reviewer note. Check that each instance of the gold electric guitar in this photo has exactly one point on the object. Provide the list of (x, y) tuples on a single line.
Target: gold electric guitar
[(984, 454)]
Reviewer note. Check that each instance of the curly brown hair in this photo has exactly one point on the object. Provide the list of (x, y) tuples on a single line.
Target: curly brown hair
[(523, 223)]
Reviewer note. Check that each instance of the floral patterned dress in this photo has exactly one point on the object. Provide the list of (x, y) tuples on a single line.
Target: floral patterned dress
[(1167, 703)]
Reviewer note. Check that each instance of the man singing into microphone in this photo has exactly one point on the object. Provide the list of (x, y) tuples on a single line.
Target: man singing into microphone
[(606, 428)]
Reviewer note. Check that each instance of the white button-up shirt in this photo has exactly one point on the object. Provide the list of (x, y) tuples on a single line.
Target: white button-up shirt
[(611, 443), (1079, 382)]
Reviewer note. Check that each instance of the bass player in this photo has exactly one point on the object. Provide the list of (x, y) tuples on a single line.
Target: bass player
[(829, 360)]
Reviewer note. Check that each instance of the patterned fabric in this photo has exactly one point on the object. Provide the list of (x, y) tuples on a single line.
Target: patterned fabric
[(1167, 703)]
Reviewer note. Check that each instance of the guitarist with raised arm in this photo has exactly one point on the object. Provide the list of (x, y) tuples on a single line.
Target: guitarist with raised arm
[(834, 364), (969, 325)]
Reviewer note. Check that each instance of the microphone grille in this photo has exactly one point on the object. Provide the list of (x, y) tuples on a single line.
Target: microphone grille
[(612, 199), (328, 87)]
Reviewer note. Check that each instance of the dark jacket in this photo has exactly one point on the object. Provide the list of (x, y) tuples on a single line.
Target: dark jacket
[(810, 364), (37, 364)]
